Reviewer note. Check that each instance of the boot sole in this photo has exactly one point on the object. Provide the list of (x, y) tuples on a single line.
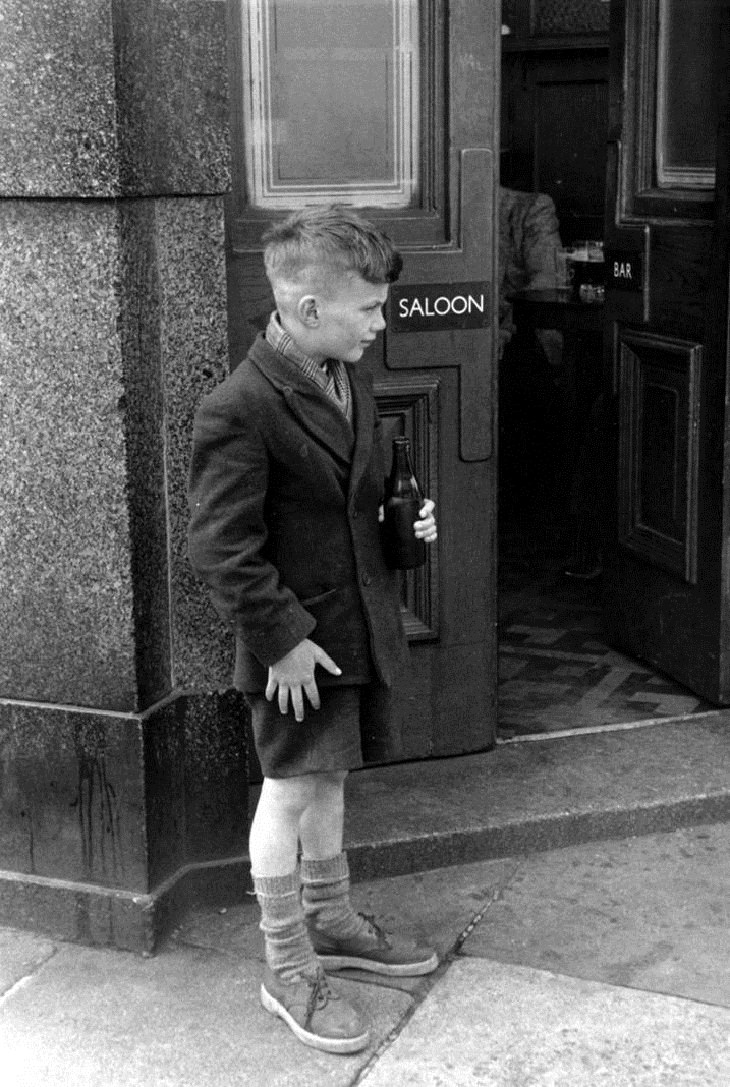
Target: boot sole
[(389, 969), (316, 1041)]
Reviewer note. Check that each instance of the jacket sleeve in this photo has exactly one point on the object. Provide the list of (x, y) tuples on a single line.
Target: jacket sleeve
[(540, 239), (227, 535)]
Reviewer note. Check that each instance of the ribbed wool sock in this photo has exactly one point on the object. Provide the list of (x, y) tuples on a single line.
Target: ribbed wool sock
[(289, 950), (326, 897)]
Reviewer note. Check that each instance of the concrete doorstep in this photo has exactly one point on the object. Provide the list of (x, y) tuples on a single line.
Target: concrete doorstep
[(539, 793)]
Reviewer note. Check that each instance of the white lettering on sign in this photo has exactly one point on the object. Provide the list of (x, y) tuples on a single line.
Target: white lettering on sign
[(622, 270), (439, 307)]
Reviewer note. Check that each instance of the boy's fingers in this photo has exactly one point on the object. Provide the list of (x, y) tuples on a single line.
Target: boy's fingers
[(425, 530), (326, 661), (312, 694), (270, 687), (427, 508), (297, 703)]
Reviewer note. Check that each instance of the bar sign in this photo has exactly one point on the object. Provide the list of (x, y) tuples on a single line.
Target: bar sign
[(624, 270)]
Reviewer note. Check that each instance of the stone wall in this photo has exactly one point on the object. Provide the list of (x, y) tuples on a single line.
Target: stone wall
[(122, 759)]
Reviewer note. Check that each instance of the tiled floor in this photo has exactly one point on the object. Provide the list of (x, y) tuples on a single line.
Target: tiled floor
[(556, 672)]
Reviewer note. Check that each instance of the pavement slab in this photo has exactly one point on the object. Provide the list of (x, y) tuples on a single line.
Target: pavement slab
[(650, 912), (601, 963), (498, 1025), (95, 1018), (21, 953), (191, 1015), (434, 907)]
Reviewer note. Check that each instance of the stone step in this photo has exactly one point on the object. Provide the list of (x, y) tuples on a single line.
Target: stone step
[(539, 793)]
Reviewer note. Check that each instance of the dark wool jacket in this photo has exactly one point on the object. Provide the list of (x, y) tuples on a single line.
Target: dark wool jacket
[(284, 525)]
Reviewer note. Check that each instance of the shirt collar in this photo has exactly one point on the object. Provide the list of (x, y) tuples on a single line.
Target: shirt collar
[(282, 342)]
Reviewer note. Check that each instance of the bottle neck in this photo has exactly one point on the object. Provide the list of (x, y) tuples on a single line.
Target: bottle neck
[(402, 477), (402, 461)]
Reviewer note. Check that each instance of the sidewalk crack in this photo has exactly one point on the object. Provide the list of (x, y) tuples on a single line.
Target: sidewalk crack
[(421, 994), (6, 994), (478, 917)]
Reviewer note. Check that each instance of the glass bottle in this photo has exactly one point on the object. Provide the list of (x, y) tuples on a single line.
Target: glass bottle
[(403, 500)]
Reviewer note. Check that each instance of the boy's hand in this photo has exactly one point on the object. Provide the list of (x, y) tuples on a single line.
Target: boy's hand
[(425, 529), (294, 673)]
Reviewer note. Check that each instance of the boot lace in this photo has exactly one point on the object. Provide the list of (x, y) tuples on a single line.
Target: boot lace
[(320, 994), (375, 928)]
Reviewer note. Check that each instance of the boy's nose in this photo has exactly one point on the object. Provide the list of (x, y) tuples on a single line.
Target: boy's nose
[(379, 322)]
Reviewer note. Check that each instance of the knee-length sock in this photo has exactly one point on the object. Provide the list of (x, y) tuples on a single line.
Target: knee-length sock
[(326, 897), (288, 946)]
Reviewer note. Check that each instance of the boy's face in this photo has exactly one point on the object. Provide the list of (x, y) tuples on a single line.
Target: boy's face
[(349, 317)]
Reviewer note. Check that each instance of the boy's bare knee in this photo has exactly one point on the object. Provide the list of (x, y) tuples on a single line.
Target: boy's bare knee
[(293, 794), (329, 784)]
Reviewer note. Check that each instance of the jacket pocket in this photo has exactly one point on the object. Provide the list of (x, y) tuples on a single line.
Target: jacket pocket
[(341, 631), (319, 599)]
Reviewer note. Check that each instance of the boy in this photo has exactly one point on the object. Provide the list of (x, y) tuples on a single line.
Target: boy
[(286, 491)]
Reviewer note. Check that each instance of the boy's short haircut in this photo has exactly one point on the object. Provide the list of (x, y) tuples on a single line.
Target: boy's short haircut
[(333, 240)]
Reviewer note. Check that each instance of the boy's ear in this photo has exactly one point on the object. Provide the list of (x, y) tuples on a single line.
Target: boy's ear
[(307, 310)]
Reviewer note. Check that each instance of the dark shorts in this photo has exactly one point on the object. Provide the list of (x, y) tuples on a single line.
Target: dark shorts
[(353, 725)]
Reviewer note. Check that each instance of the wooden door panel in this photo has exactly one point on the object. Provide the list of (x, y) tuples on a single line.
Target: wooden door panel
[(667, 363), (411, 410), (658, 456), (469, 350), (437, 386)]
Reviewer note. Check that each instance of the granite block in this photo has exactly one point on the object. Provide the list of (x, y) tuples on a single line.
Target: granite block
[(100, 99), (140, 330), (195, 782), (71, 796), (117, 326), (82, 913), (122, 801), (172, 85), (192, 285), (66, 610), (216, 776), (57, 99), (111, 824)]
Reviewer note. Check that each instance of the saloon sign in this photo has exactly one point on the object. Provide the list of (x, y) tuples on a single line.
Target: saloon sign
[(432, 307)]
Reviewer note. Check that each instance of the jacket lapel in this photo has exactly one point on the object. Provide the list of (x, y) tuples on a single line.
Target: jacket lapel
[(364, 416), (311, 406)]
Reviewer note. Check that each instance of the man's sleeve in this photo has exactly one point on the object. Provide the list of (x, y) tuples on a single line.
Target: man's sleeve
[(227, 536), (540, 239)]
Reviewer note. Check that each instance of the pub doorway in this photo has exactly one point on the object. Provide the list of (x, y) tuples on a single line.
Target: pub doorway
[(391, 106), (590, 451)]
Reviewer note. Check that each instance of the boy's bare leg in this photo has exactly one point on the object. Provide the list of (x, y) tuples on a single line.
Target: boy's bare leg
[(341, 936), (273, 848), (325, 876), (322, 822), (295, 988), (274, 838), (307, 808)]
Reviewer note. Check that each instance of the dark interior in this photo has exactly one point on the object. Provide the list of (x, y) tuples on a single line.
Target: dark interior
[(554, 654)]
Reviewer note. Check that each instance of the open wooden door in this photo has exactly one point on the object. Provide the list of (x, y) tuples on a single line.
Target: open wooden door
[(391, 105), (667, 338)]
